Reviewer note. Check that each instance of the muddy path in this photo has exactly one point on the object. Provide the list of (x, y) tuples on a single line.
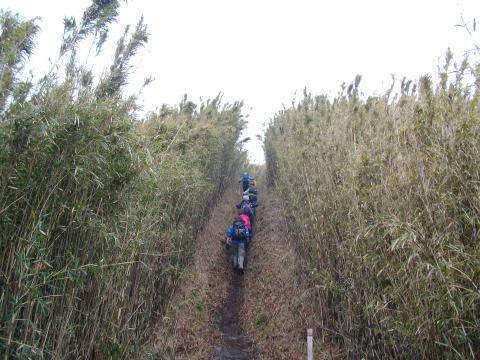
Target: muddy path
[(236, 345)]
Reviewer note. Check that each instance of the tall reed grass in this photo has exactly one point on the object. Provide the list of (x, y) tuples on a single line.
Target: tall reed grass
[(98, 211), (382, 198)]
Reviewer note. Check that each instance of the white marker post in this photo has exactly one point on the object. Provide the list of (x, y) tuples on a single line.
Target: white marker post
[(309, 344)]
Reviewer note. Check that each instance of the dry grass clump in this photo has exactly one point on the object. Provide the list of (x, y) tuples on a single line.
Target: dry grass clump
[(384, 197), (99, 211)]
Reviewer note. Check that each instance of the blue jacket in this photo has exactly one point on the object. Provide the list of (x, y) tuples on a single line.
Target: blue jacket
[(245, 180)]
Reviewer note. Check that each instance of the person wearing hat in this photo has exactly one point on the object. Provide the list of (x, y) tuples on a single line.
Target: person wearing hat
[(237, 237), (246, 207)]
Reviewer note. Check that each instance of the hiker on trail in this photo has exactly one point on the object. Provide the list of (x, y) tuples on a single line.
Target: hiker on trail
[(246, 207), (252, 196), (246, 220), (245, 180), (237, 237), (245, 203)]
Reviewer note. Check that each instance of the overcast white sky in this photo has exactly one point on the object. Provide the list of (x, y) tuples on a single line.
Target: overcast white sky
[(262, 51)]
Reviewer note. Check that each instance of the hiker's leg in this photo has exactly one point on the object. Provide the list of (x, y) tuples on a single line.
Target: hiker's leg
[(235, 255), (241, 255)]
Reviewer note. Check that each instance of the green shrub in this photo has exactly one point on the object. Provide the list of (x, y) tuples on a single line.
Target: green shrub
[(99, 211)]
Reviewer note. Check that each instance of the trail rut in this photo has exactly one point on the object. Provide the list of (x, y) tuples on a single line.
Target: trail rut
[(236, 345)]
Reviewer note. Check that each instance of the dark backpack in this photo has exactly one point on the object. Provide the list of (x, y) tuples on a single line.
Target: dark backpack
[(239, 231), (246, 181), (252, 194)]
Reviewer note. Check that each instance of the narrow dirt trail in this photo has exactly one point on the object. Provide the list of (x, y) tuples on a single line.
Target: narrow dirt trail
[(235, 346), (218, 314)]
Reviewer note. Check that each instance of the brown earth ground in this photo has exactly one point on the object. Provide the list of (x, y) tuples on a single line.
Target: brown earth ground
[(275, 310)]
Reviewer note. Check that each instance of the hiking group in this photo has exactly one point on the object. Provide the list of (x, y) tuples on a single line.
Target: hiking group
[(239, 234)]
